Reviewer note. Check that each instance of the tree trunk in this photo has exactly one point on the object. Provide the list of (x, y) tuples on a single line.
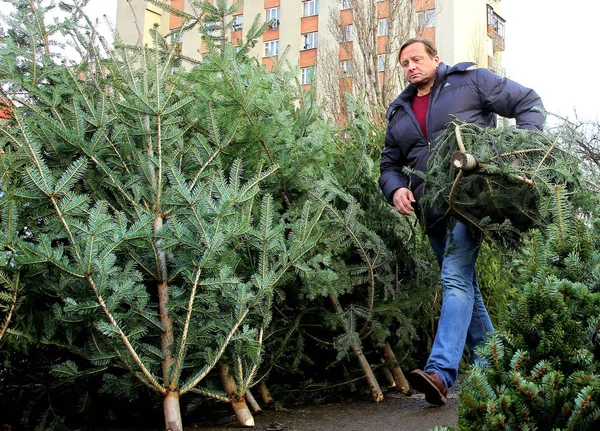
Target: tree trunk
[(401, 382), (240, 408), (254, 406), (388, 376), (172, 412), (349, 382), (265, 394), (362, 360)]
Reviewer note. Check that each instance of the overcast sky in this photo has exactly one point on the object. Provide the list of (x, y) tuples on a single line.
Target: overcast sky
[(552, 47)]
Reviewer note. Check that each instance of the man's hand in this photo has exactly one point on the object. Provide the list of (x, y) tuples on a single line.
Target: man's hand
[(402, 201)]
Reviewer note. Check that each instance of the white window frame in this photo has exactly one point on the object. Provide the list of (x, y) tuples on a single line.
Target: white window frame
[(310, 40), (238, 22), (272, 13), (348, 33), (174, 33), (346, 67), (382, 28), (346, 4), (307, 74), (426, 18), (310, 8), (381, 63), (271, 48)]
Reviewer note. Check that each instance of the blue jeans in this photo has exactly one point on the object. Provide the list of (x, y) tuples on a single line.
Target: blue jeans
[(464, 318)]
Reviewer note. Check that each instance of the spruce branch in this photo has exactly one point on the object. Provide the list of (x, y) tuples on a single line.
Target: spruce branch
[(12, 301), (132, 352), (200, 375)]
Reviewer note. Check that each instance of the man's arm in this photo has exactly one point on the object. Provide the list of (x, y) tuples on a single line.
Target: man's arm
[(391, 177), (510, 99)]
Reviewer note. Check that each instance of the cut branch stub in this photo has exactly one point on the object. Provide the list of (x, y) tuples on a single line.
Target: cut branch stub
[(466, 162)]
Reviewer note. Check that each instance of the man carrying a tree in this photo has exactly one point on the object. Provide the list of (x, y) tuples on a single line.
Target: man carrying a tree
[(436, 94)]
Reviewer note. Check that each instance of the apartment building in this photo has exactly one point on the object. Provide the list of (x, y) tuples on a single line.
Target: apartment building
[(311, 33)]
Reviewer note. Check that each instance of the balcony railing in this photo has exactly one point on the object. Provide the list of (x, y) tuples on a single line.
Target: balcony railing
[(495, 28), (495, 67)]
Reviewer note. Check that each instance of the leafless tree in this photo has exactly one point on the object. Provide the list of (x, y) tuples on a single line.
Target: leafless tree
[(478, 47), (370, 45), (585, 134)]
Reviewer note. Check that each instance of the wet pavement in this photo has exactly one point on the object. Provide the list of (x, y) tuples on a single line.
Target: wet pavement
[(396, 412)]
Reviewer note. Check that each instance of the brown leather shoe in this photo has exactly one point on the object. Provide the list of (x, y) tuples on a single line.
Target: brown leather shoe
[(431, 385)]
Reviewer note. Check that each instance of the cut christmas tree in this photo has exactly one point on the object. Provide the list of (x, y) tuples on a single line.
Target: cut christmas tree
[(500, 181)]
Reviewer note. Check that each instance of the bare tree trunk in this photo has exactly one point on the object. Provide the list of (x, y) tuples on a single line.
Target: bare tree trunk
[(167, 339), (172, 412), (362, 360), (254, 406), (349, 382), (388, 375), (265, 394), (401, 382), (240, 408)]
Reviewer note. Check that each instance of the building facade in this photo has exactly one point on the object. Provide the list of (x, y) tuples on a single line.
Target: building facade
[(348, 34)]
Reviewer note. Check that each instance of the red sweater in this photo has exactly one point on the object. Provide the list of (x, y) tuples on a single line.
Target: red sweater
[(419, 105)]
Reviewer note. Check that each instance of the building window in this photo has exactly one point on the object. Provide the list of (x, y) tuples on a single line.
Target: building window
[(238, 22), (309, 40), (383, 27), (346, 4), (310, 8), (307, 74), (381, 63), (346, 67), (176, 36), (272, 13), (426, 19), (271, 48), (495, 21), (348, 33)]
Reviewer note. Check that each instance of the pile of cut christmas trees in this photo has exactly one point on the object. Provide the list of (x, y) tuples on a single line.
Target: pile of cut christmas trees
[(499, 181)]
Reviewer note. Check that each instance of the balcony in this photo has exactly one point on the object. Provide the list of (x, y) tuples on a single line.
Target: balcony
[(495, 29), (495, 67)]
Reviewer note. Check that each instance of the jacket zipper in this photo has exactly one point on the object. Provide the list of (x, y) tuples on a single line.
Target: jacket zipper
[(435, 88)]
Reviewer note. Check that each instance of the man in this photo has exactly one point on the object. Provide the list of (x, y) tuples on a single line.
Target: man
[(437, 93)]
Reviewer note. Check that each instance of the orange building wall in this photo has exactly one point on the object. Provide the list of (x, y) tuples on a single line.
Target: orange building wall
[(271, 3), (309, 24), (269, 62), (308, 57), (383, 9), (271, 34), (421, 5), (346, 51), (175, 21), (430, 34), (382, 44), (235, 35), (346, 17)]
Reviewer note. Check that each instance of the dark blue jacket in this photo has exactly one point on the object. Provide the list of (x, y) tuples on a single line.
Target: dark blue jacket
[(471, 95)]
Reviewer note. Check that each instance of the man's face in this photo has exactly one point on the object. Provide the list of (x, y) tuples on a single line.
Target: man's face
[(418, 67)]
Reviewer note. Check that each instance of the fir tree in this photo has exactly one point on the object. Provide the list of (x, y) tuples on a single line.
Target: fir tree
[(542, 368), (165, 258)]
